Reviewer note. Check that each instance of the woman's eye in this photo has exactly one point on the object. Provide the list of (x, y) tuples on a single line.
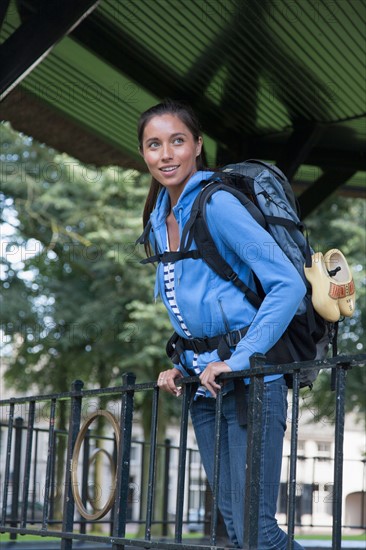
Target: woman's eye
[(179, 140), (154, 145)]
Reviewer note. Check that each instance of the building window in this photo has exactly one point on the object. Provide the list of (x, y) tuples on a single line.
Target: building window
[(134, 453), (323, 448), (300, 448)]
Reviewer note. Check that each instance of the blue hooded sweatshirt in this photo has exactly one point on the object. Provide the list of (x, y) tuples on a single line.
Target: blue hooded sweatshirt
[(210, 305)]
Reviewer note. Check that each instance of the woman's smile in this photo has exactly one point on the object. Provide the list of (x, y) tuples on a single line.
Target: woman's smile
[(169, 170)]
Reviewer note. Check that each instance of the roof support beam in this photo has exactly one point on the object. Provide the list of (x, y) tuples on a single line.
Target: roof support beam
[(133, 59), (322, 188), (36, 36), (300, 143), (3, 9), (325, 157)]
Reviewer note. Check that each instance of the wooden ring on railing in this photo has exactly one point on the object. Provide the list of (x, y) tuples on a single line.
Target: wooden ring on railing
[(74, 466), (112, 469)]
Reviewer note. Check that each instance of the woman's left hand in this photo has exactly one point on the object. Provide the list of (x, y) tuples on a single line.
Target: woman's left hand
[(209, 374)]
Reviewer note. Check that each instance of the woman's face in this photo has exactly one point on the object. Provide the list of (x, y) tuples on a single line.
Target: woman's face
[(170, 151)]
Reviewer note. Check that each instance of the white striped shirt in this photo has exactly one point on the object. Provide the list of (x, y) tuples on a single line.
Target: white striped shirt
[(169, 287)]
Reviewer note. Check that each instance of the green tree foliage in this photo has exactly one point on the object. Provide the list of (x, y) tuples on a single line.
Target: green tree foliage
[(71, 274), (340, 223), (76, 303)]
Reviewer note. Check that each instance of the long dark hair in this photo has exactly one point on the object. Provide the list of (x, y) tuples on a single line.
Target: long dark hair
[(186, 114)]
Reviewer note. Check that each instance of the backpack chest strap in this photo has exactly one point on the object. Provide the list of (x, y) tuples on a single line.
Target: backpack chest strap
[(170, 257), (223, 342)]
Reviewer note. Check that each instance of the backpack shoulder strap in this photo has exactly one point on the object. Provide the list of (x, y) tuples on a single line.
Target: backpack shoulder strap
[(144, 237), (200, 233)]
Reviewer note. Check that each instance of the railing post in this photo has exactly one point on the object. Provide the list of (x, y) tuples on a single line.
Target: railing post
[(216, 474), (123, 465), (253, 459), (293, 460), (187, 389), (166, 487), (16, 475), (34, 477), (50, 453), (27, 463), (7, 465), (152, 464), (69, 504), (142, 480), (84, 478), (115, 458), (341, 373)]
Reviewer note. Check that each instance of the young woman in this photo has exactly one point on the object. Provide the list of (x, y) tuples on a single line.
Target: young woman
[(201, 304)]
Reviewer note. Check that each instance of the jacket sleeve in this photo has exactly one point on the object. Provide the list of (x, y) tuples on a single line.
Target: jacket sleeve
[(237, 234)]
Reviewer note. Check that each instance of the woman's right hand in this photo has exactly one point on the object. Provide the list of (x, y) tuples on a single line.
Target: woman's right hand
[(166, 381)]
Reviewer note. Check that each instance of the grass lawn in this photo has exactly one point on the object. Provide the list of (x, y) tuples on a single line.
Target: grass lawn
[(329, 537), (5, 537)]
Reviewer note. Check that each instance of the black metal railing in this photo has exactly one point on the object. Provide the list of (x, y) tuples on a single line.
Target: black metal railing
[(18, 514)]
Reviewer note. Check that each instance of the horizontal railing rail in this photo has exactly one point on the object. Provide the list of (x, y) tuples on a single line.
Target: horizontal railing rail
[(17, 480)]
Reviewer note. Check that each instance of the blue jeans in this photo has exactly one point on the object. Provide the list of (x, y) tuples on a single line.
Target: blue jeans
[(232, 461)]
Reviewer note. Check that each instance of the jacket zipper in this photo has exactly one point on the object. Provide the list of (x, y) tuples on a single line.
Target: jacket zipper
[(224, 318)]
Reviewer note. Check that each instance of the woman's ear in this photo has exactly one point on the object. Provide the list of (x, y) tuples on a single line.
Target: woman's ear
[(140, 151), (199, 146)]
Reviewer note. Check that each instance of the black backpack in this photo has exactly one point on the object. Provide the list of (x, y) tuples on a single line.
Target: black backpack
[(267, 194)]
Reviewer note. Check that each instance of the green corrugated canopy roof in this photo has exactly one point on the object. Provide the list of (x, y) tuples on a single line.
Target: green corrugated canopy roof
[(278, 80)]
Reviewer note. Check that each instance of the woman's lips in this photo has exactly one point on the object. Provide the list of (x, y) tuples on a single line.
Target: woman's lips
[(169, 170)]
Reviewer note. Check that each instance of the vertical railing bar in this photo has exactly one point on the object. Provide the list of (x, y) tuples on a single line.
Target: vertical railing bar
[(166, 487), (74, 427), (16, 475), (338, 456), (7, 463), (288, 465), (253, 458), (84, 478), (34, 478), (291, 503), (115, 455), (53, 476), (201, 497), (189, 483), (50, 452), (27, 463), (216, 472), (123, 466), (152, 464), (142, 479), (186, 390)]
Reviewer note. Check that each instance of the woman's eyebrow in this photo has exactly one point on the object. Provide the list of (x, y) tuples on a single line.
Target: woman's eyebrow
[(171, 136)]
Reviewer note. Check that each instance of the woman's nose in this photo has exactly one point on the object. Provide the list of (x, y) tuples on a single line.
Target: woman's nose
[(167, 152)]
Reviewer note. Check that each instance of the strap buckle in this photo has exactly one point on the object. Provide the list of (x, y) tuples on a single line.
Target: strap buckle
[(233, 338), (233, 277), (199, 345)]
